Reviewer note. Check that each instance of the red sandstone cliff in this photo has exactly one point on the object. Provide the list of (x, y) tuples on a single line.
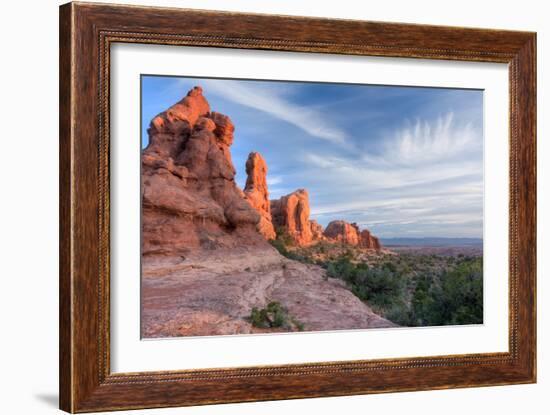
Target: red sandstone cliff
[(369, 241), (341, 231), (291, 213), (316, 230), (189, 196), (257, 194), (350, 234)]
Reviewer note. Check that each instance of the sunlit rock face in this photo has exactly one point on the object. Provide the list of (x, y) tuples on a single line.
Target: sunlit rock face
[(350, 234), (190, 199), (369, 241), (291, 213), (257, 194)]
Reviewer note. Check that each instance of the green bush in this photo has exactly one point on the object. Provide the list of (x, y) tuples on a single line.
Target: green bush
[(417, 290), (380, 287), (274, 315), (281, 244), (283, 236), (455, 298)]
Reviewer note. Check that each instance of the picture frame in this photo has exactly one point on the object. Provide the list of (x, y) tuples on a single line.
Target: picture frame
[(87, 32)]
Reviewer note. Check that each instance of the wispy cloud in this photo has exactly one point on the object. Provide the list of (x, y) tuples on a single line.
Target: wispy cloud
[(426, 141), (273, 180), (359, 174), (275, 103)]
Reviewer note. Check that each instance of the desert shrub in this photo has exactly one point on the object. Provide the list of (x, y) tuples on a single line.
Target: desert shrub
[(283, 236), (399, 313), (282, 249), (279, 246), (274, 315), (390, 266), (297, 324), (426, 302), (342, 269), (380, 287), (456, 297), (258, 318), (417, 290), (463, 292), (282, 243)]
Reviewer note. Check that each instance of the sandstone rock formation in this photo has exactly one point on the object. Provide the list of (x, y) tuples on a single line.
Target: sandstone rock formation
[(343, 232), (316, 230), (291, 212), (349, 233), (257, 194), (189, 196), (369, 241)]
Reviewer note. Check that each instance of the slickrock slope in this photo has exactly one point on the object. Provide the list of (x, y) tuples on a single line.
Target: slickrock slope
[(350, 234), (256, 193), (213, 293), (205, 265)]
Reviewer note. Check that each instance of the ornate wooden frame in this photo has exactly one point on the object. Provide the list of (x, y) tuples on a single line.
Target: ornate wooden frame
[(86, 33)]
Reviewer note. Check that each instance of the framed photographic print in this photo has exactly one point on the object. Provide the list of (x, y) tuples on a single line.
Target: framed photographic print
[(260, 207)]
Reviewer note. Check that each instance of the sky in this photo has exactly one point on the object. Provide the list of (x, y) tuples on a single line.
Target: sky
[(400, 161)]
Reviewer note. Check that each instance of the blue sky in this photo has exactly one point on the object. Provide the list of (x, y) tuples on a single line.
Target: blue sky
[(400, 161)]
